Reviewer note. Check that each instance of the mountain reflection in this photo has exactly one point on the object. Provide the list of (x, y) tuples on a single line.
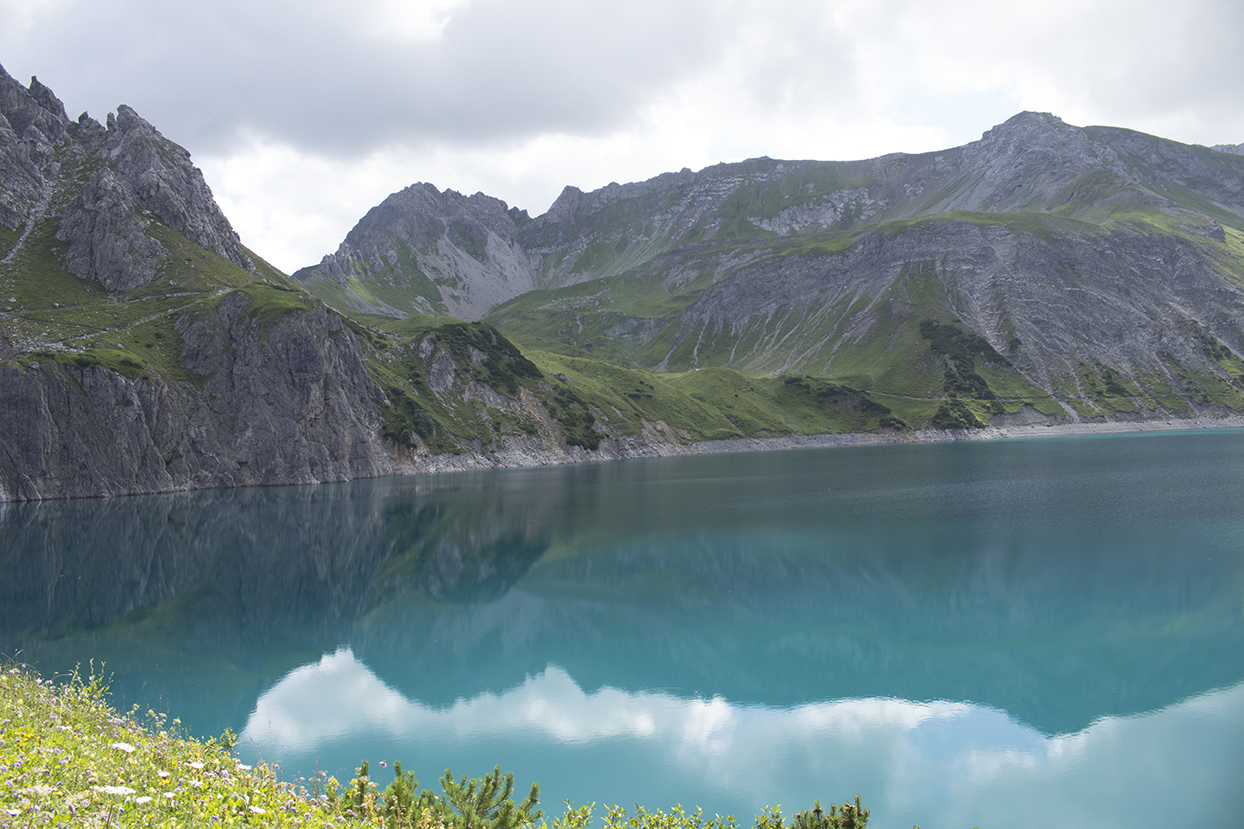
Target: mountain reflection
[(942, 763)]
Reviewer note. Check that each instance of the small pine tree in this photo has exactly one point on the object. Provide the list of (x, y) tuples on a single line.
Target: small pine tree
[(484, 803)]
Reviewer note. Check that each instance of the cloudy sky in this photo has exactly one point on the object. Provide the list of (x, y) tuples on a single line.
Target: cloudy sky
[(303, 115)]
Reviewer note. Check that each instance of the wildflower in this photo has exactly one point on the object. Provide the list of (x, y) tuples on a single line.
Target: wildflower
[(143, 799), (40, 789), (124, 790), (196, 765), (126, 747), (257, 810), (170, 795), (162, 774), (243, 767)]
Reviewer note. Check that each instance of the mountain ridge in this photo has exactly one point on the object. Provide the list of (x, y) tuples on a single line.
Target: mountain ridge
[(1080, 255), (1043, 274), (994, 174)]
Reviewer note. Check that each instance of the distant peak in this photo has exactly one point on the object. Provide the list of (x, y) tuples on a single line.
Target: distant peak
[(1030, 129), (1028, 116), (570, 197), (1026, 122)]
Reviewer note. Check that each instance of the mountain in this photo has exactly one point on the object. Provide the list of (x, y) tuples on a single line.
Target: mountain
[(143, 348), (1046, 271)]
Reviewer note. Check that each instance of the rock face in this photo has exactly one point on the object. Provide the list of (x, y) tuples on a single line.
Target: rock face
[(193, 382), (430, 252), (292, 404), (1136, 303), (104, 186)]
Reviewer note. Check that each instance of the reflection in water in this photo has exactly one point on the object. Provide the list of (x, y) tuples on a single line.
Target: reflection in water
[(905, 622), (933, 763), (202, 600)]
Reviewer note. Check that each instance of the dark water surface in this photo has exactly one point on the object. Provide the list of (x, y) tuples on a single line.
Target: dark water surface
[(1009, 634)]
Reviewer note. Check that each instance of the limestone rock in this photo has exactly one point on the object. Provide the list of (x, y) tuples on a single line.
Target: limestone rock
[(105, 185), (298, 408), (449, 253), (106, 235)]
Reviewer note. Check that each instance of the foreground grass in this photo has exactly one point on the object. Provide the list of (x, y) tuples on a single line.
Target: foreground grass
[(68, 759)]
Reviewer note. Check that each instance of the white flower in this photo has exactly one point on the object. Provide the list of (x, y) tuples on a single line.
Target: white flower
[(113, 789), (143, 799), (126, 747), (257, 810), (162, 774), (40, 789), (243, 767), (195, 765), (170, 795)]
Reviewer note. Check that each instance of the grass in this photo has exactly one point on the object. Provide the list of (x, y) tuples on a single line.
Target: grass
[(68, 759), (63, 319)]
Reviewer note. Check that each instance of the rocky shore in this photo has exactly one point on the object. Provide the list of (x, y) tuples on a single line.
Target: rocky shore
[(529, 454)]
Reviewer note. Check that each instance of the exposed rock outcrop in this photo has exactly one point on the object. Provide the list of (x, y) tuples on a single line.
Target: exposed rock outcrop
[(288, 404), (436, 252), (105, 185)]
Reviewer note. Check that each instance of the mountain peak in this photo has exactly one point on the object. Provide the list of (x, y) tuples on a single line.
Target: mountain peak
[(1028, 128), (37, 106), (135, 173)]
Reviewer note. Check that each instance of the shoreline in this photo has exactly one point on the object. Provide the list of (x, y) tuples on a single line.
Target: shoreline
[(533, 453), (530, 456)]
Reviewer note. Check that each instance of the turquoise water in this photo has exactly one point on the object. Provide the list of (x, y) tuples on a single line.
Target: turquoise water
[(979, 634)]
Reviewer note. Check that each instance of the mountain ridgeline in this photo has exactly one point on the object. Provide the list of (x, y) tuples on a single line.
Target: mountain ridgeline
[(1098, 268), (1046, 273)]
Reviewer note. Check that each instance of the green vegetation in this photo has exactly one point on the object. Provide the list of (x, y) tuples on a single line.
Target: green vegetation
[(961, 349), (955, 414), (77, 324), (1044, 226), (68, 759)]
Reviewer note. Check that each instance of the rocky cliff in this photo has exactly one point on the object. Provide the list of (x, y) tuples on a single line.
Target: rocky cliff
[(143, 347), (289, 404), (103, 186)]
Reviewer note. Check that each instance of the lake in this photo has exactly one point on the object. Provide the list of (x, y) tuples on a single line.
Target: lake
[(996, 634)]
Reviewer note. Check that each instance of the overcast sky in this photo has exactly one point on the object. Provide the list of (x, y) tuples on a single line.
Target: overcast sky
[(303, 115)]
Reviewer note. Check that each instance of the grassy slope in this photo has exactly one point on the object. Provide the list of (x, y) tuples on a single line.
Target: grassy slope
[(76, 322)]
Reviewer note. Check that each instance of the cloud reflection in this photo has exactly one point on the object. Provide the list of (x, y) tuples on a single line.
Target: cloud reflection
[(933, 763), (552, 706)]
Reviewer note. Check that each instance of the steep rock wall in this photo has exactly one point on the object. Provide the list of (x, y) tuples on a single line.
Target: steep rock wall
[(287, 404)]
